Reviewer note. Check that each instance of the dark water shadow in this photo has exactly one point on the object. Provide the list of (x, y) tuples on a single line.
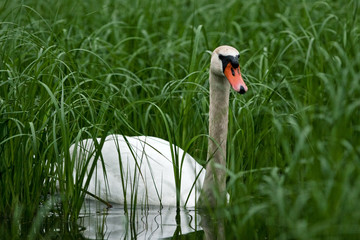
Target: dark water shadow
[(151, 222), (213, 228)]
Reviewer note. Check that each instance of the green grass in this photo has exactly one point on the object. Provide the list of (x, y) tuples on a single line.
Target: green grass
[(83, 69)]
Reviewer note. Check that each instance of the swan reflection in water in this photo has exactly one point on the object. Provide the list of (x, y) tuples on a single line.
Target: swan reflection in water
[(100, 222)]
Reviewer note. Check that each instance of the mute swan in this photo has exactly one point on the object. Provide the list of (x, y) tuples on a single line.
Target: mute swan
[(140, 169)]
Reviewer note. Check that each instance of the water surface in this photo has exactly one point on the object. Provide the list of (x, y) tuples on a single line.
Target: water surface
[(152, 222)]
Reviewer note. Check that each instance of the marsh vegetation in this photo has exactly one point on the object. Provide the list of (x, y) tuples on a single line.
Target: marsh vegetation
[(71, 70)]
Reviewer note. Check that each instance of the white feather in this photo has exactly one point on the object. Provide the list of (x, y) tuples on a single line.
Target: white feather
[(147, 170)]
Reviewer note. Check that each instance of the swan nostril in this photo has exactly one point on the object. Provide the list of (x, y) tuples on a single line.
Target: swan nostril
[(242, 90)]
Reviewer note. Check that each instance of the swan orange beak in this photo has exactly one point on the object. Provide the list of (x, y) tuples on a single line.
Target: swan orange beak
[(235, 79)]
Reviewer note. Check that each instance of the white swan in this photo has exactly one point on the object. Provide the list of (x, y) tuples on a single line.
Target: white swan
[(140, 169)]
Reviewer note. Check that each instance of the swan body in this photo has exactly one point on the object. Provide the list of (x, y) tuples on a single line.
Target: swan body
[(146, 171), (140, 169)]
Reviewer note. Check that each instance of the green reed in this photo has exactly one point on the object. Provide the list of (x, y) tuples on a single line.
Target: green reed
[(75, 70)]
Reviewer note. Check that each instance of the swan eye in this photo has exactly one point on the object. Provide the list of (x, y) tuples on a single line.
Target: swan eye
[(224, 61), (222, 57), (234, 60)]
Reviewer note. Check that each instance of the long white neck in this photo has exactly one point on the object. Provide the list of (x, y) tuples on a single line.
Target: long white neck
[(214, 187)]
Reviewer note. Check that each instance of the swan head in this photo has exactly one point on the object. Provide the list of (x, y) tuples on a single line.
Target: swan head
[(225, 64)]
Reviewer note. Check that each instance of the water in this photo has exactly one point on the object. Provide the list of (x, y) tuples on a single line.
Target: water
[(153, 222)]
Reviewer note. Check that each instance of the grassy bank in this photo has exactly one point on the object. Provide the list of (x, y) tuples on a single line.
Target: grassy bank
[(82, 69)]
